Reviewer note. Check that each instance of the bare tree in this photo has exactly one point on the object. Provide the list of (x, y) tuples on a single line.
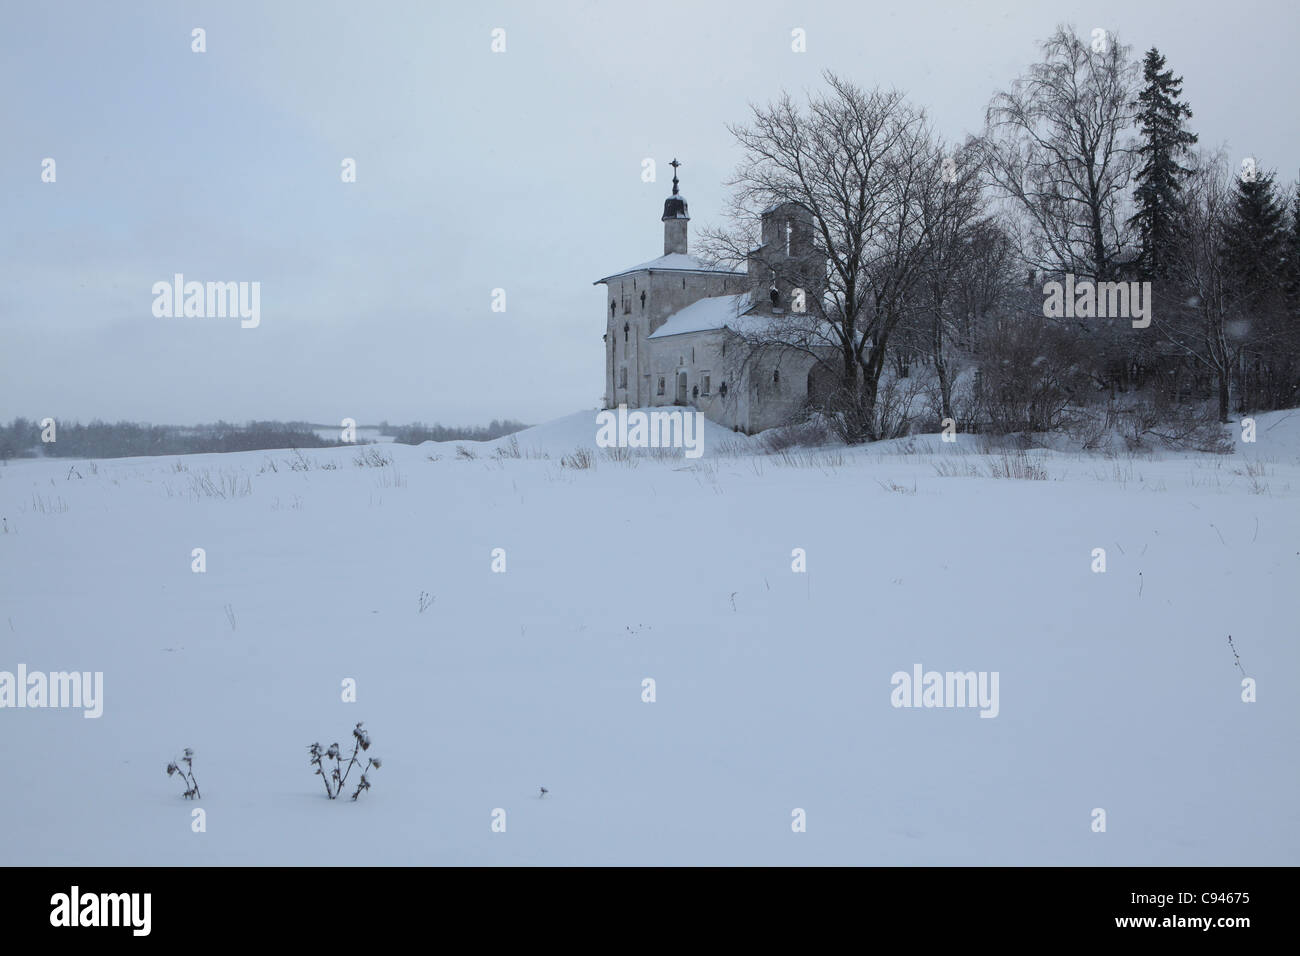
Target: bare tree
[(965, 271), (864, 165), (1204, 328), (1059, 146)]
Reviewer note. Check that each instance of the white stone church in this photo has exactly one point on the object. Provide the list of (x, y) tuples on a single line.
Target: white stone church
[(676, 327)]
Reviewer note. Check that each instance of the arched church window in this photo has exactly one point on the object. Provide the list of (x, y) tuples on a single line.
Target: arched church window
[(643, 298), (625, 330), (612, 306), (776, 376), (722, 389)]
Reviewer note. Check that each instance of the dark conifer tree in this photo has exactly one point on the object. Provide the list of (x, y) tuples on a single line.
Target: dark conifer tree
[(1291, 264), (1165, 142), (1254, 240)]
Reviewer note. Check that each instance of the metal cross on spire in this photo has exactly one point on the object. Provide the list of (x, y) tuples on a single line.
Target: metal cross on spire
[(674, 164)]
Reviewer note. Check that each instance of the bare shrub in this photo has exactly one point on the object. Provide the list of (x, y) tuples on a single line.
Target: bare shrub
[(1195, 428), (619, 453), (1087, 427), (226, 485), (809, 434), (581, 458), (509, 449), (894, 403), (371, 457), (1016, 465), (1032, 374)]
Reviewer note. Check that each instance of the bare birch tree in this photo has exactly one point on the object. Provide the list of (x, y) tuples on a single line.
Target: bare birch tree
[(1059, 146)]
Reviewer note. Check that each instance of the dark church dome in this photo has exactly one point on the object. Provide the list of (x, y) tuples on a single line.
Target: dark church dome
[(675, 208), (675, 205)]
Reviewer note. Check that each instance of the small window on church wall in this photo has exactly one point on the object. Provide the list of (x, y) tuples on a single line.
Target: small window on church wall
[(622, 377), (661, 384), (776, 376), (643, 299), (705, 384)]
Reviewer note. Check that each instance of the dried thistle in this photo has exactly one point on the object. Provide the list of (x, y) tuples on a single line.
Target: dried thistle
[(191, 785), (335, 777)]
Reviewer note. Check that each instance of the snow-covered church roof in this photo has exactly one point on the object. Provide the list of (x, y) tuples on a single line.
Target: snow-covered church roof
[(741, 314), (673, 262), (735, 312), (703, 315)]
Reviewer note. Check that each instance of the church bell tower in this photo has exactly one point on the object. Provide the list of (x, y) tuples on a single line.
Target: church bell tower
[(675, 219)]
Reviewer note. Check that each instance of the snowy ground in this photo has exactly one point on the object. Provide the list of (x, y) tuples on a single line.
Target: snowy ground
[(1117, 690)]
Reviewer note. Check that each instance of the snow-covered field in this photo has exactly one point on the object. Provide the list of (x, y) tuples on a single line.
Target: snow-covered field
[(1117, 690)]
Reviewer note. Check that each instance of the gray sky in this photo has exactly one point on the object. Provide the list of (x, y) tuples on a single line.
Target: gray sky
[(475, 171)]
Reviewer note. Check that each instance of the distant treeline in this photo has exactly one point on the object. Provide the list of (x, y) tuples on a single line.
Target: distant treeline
[(22, 437), (417, 432)]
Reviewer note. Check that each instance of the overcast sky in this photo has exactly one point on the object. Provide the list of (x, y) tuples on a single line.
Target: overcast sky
[(475, 171)]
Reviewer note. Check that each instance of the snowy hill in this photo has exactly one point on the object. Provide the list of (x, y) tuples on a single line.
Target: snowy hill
[(774, 689), (563, 435)]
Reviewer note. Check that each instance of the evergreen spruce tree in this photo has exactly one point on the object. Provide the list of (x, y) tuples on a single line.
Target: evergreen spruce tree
[(1254, 241), (1165, 141), (1291, 253)]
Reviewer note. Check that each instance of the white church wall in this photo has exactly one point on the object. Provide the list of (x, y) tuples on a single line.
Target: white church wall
[(665, 294)]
